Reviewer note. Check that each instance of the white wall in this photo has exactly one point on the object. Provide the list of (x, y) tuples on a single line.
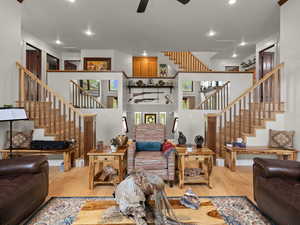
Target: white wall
[(10, 53), (10, 45), (290, 55), (205, 57)]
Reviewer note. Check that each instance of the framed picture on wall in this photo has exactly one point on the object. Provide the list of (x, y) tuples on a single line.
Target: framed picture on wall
[(113, 85), (97, 64), (149, 118), (188, 86), (163, 70)]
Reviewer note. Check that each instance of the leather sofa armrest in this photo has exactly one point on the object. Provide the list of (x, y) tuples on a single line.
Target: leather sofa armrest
[(23, 165), (269, 168)]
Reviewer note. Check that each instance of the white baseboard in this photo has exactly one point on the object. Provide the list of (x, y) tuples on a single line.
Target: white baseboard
[(56, 162), (240, 162)]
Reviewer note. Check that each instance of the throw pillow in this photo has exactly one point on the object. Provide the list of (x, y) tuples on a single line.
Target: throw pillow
[(20, 139), (281, 139), (148, 146)]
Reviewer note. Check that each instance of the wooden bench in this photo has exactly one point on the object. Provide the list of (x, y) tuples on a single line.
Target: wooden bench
[(67, 154), (232, 152)]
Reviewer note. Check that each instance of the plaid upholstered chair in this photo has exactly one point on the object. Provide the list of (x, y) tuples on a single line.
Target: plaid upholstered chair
[(151, 161)]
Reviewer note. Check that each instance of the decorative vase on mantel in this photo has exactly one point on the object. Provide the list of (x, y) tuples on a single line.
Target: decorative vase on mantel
[(181, 138), (199, 141)]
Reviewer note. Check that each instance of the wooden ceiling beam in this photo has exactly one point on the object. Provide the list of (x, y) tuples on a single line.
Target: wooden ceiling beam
[(281, 2)]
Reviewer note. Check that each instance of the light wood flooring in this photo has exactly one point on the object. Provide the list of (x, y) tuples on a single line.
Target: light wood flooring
[(224, 183)]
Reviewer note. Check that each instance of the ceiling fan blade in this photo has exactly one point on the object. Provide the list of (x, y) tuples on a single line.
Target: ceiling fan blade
[(142, 6), (184, 1)]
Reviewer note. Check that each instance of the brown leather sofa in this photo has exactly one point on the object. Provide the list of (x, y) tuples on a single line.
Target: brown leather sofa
[(23, 187), (277, 189)]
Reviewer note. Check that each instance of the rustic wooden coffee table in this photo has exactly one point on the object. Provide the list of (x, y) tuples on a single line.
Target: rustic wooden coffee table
[(204, 157), (99, 159), (91, 214)]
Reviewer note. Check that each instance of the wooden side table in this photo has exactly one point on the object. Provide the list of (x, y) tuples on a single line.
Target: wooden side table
[(99, 159), (204, 157)]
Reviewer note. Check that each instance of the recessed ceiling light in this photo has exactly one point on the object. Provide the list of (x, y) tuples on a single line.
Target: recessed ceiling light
[(72, 1), (58, 42), (234, 55), (88, 32), (243, 43), (211, 33), (145, 53), (231, 2)]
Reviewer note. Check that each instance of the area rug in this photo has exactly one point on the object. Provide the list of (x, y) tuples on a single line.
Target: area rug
[(236, 210)]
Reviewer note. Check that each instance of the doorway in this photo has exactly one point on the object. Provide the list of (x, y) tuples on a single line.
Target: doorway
[(266, 65), (266, 60), (144, 66), (52, 62), (34, 60)]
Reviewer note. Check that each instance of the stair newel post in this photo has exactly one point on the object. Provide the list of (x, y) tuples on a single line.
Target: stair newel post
[(212, 132), (244, 114), (225, 128), (270, 96), (64, 122), (240, 118), (89, 135), (50, 112), (21, 87), (230, 124), (279, 89), (220, 134), (234, 122), (69, 124), (250, 114)]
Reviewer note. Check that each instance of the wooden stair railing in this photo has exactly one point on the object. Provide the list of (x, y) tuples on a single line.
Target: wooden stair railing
[(50, 111), (218, 100), (249, 111), (82, 99), (187, 62)]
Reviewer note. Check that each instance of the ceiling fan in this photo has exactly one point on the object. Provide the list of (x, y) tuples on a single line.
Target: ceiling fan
[(143, 5)]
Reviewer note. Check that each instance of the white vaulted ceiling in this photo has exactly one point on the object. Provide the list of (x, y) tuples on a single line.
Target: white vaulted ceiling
[(166, 24)]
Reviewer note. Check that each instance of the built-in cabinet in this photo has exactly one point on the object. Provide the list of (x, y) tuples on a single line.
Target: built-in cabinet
[(144, 66)]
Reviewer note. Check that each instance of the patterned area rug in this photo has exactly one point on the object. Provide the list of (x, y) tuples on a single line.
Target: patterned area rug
[(236, 210)]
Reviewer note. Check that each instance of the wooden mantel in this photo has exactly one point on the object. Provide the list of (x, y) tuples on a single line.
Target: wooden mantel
[(281, 2)]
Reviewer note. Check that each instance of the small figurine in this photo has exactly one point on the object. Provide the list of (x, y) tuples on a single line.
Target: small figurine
[(181, 138), (199, 141)]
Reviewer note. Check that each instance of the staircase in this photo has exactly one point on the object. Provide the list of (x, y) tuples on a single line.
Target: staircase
[(246, 114), (187, 62), (82, 99), (218, 100), (51, 112)]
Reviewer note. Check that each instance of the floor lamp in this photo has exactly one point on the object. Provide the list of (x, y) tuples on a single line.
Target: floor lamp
[(10, 115)]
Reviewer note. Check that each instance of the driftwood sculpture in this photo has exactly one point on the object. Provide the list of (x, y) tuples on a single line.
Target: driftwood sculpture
[(133, 194)]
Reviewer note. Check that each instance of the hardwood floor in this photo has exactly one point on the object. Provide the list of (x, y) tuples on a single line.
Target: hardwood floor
[(224, 183)]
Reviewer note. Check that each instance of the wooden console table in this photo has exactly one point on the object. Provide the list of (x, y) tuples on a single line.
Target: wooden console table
[(231, 154), (203, 156), (67, 154), (99, 159)]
